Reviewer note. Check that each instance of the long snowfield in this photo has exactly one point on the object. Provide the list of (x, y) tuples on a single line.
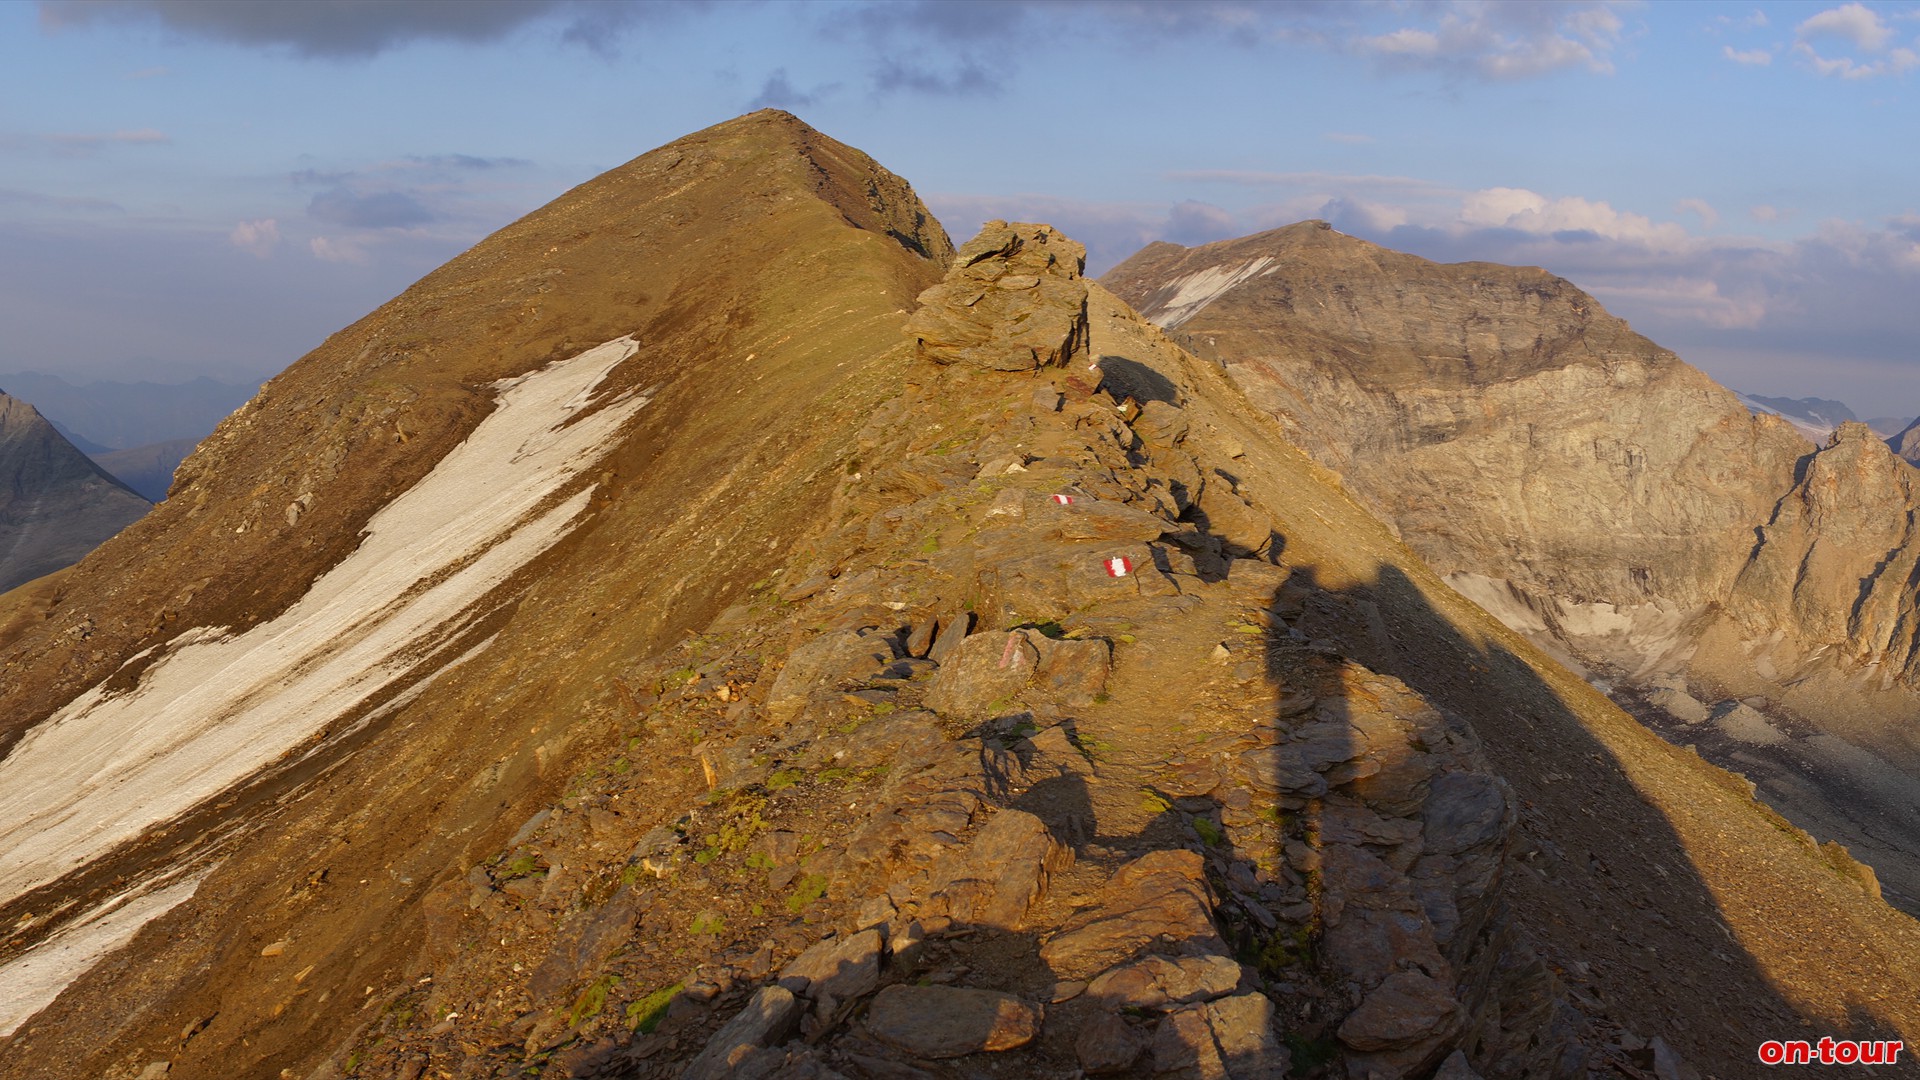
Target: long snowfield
[(219, 706)]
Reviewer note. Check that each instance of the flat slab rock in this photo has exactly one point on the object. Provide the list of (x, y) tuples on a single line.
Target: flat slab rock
[(1159, 900), (949, 1021)]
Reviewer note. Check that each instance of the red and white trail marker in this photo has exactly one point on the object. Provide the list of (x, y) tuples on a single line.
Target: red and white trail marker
[(1013, 643), (1119, 566), (1063, 500)]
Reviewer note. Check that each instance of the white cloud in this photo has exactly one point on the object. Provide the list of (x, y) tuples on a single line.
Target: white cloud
[(1755, 57), (1529, 212), (1503, 41), (1347, 137), (1361, 216), (1846, 67), (1861, 27), (257, 237), (339, 251), (1855, 22), (1708, 215), (1763, 212)]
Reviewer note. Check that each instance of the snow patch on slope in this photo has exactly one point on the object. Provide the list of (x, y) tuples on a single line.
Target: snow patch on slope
[(218, 706), (1197, 290), (31, 982)]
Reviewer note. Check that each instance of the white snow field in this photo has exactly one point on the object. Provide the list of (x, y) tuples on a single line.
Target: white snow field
[(1197, 290), (218, 706), (33, 980)]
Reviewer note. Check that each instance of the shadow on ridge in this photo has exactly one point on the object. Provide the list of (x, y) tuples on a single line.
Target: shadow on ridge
[(1442, 854)]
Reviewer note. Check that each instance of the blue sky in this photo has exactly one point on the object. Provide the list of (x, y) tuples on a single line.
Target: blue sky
[(212, 186)]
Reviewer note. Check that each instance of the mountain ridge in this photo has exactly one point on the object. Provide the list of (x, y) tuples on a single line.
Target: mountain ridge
[(760, 640)]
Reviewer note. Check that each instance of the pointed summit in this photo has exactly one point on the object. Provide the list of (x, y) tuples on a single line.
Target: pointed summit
[(55, 503)]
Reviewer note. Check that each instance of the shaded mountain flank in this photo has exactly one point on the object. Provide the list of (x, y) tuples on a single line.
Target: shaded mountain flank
[(1907, 443), (713, 628), (55, 505), (1600, 496)]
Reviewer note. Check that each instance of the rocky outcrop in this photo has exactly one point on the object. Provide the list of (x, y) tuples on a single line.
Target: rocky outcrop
[(1836, 568), (1013, 301), (55, 504)]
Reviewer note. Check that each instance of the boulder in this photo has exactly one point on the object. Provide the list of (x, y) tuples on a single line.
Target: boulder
[(1465, 811), (983, 673), (1108, 1045), (1155, 982), (1160, 425), (835, 656), (1014, 300), (1160, 900), (1075, 672), (1404, 1023), (769, 1017), (999, 877), (1243, 1031), (837, 969), (949, 1021), (1183, 1041)]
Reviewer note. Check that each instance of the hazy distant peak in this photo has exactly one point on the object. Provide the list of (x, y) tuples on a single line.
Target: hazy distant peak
[(1816, 418)]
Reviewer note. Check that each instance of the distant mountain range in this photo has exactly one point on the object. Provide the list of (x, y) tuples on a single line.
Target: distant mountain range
[(138, 431), (1816, 418), (108, 415)]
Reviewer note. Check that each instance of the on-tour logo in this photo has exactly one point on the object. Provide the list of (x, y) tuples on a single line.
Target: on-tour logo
[(1831, 1051)]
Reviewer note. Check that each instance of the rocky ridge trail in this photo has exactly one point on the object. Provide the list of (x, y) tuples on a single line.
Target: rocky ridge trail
[(999, 806)]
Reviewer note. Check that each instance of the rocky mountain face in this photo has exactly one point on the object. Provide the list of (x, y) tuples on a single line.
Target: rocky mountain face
[(55, 505), (713, 628), (1577, 480)]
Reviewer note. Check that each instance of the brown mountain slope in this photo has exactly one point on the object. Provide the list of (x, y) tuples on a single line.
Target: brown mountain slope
[(55, 505), (1670, 903), (758, 265)]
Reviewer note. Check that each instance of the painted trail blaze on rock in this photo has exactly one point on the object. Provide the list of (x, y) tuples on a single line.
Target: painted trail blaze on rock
[(1119, 566), (1063, 500)]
